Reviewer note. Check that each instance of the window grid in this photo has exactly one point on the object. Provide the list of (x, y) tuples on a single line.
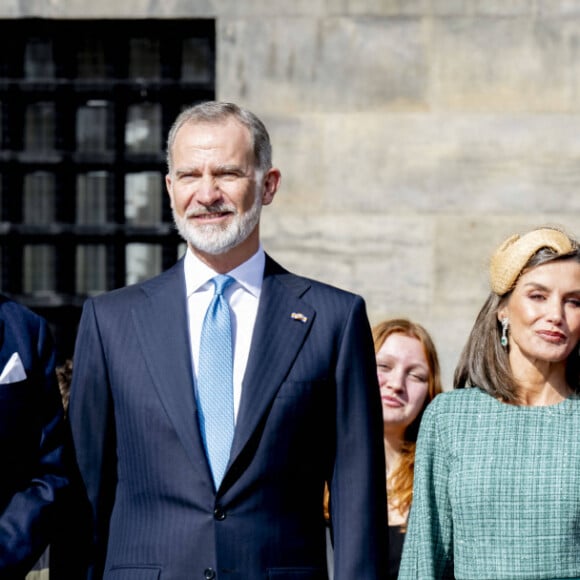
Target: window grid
[(85, 107)]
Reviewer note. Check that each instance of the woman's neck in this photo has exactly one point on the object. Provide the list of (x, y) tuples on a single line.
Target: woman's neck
[(541, 383)]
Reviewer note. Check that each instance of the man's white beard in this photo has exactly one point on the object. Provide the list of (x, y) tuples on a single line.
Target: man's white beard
[(215, 239)]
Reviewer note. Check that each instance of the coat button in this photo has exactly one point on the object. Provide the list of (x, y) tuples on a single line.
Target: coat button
[(209, 574), (219, 514)]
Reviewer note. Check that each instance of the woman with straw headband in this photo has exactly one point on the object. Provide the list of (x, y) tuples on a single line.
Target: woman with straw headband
[(497, 474)]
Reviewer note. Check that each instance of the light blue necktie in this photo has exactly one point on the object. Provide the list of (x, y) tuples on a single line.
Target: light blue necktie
[(215, 380)]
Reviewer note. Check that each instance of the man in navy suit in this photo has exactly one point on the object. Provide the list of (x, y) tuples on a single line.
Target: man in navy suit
[(33, 478), (305, 404)]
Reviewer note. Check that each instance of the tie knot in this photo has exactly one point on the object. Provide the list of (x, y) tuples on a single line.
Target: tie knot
[(221, 282)]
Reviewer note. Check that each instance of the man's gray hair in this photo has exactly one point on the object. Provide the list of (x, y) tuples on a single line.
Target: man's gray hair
[(216, 111)]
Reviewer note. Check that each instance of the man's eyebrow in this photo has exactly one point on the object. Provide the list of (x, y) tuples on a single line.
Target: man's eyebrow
[(229, 168), (184, 170)]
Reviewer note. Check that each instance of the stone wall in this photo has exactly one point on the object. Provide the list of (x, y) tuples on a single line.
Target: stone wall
[(413, 135)]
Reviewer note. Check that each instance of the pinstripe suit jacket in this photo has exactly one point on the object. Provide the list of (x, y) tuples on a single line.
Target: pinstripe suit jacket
[(309, 412)]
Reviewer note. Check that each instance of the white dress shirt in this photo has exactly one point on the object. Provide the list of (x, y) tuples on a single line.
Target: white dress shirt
[(242, 296)]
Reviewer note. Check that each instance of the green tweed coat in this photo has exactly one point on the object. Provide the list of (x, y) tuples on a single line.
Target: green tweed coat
[(497, 491)]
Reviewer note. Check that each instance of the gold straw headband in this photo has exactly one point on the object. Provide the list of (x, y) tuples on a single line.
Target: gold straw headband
[(509, 259)]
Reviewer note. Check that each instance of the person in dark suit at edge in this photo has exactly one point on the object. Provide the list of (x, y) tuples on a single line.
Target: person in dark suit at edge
[(193, 475), (34, 479)]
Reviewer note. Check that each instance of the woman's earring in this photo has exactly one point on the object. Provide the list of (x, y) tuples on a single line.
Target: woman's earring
[(504, 328)]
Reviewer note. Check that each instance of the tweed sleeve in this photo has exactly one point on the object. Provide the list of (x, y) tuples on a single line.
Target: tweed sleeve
[(428, 548)]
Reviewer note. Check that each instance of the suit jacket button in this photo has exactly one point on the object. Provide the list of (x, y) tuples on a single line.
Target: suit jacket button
[(209, 574), (219, 514)]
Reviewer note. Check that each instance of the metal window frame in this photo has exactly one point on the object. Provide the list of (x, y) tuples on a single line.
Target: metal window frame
[(68, 91)]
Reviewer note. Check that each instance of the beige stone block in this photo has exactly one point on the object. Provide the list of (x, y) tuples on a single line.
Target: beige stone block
[(297, 144), (378, 7), (482, 7), (431, 7), (161, 8), (11, 9), (82, 9), (386, 258), (275, 8), (558, 7), (449, 329), (505, 64), (308, 64), (451, 163)]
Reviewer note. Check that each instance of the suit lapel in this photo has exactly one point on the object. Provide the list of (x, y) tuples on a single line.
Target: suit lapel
[(277, 339), (162, 328)]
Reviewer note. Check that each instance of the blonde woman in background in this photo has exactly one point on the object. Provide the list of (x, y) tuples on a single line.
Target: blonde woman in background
[(409, 379)]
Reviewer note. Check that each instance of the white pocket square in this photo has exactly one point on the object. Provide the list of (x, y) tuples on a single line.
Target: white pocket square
[(13, 371)]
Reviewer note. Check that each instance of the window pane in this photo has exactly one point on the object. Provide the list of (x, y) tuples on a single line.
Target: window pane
[(94, 127), (143, 130), (40, 127), (91, 262), (144, 59), (38, 61), (91, 63), (143, 261), (39, 269), (143, 198), (92, 197), (196, 60), (39, 206)]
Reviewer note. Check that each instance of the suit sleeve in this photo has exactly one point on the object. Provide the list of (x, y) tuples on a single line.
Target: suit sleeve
[(92, 426), (357, 487), (26, 521), (428, 548)]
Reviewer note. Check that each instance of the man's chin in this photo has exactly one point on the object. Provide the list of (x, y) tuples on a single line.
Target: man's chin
[(213, 240), (211, 251), (211, 247)]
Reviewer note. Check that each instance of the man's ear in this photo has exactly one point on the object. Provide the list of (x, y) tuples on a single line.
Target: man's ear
[(271, 183), (168, 187)]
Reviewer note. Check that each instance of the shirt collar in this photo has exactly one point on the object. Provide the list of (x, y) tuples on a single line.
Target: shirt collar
[(249, 274)]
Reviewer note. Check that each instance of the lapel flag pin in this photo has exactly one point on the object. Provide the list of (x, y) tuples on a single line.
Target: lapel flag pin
[(299, 316)]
